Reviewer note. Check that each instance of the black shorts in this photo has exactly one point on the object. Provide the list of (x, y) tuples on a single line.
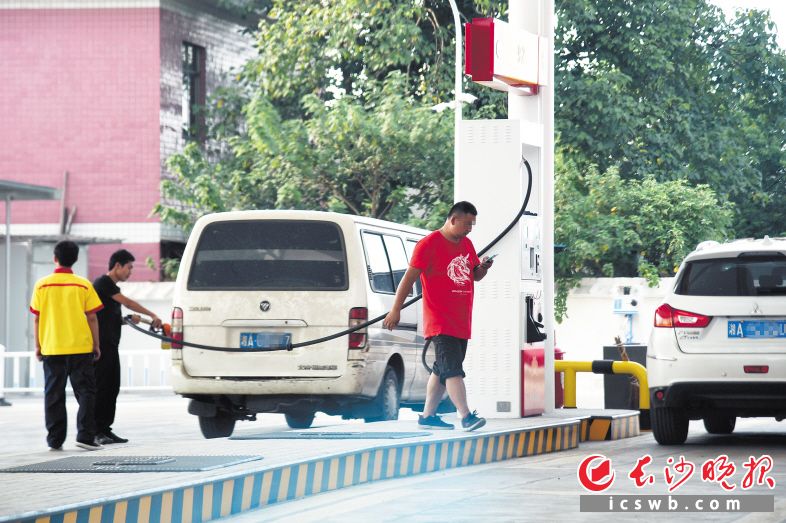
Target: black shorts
[(450, 353)]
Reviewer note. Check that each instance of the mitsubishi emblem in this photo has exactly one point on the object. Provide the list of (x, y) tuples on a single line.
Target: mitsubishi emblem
[(756, 309), (264, 306)]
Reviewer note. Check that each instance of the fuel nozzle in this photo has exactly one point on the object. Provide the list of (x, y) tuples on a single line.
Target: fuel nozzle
[(534, 328)]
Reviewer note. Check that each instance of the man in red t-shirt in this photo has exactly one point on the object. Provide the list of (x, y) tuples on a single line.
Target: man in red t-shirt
[(448, 267)]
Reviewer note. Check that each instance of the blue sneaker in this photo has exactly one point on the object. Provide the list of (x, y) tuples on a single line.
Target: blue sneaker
[(472, 421), (433, 422)]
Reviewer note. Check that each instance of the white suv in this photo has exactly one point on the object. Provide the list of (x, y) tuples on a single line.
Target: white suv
[(718, 349)]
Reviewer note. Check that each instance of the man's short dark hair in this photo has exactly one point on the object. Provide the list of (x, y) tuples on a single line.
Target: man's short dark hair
[(66, 253), (463, 208), (122, 257)]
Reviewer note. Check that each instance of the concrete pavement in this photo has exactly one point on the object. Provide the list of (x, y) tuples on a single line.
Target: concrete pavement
[(159, 425)]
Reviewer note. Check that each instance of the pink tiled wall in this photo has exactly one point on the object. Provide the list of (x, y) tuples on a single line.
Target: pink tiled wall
[(98, 260), (79, 92)]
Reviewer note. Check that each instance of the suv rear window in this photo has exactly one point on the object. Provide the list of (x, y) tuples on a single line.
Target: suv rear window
[(269, 255), (744, 275)]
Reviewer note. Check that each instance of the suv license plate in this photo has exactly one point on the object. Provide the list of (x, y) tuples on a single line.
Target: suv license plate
[(757, 329), (264, 340)]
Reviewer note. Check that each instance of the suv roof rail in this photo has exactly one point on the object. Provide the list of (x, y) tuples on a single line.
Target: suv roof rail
[(706, 244)]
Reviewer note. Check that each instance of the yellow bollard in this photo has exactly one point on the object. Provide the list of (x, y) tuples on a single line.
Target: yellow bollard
[(570, 368)]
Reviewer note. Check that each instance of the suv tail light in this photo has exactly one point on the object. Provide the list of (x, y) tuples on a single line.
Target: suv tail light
[(357, 339), (668, 316), (177, 327)]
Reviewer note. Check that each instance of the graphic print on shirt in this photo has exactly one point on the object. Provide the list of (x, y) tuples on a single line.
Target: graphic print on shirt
[(459, 271)]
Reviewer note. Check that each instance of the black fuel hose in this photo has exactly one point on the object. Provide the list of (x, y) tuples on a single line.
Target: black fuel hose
[(522, 212), (358, 327)]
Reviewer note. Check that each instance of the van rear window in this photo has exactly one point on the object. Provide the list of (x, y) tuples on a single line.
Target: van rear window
[(269, 255), (745, 275)]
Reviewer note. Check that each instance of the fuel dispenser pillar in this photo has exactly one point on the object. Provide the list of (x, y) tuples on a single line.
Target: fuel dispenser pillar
[(508, 301), (514, 303)]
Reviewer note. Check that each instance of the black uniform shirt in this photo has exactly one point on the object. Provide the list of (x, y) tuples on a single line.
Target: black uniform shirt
[(110, 318)]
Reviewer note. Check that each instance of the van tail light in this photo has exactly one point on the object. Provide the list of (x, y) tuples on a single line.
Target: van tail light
[(756, 369), (357, 339), (668, 316), (177, 327)]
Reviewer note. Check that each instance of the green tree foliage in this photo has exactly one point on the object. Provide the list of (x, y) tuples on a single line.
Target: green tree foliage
[(378, 158), (617, 227), (334, 113), (673, 90), (664, 100)]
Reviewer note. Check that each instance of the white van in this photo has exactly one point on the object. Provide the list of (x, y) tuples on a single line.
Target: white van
[(263, 279)]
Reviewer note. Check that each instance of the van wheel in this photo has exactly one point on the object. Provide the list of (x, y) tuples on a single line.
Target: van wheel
[(719, 424), (669, 425), (301, 419), (386, 404), (220, 426)]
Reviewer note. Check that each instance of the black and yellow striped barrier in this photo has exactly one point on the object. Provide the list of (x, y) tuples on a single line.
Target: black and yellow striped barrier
[(239, 492), (570, 368)]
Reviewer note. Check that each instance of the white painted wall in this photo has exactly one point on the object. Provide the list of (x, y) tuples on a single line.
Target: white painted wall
[(591, 324)]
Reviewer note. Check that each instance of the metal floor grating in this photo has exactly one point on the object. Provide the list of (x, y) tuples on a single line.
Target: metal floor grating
[(133, 464), (331, 435)]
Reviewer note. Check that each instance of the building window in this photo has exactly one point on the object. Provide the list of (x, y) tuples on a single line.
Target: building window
[(193, 102)]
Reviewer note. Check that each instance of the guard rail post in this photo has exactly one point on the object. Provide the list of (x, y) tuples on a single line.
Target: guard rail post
[(570, 368)]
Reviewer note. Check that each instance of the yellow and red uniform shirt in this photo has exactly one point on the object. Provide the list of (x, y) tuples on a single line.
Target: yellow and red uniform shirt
[(61, 301)]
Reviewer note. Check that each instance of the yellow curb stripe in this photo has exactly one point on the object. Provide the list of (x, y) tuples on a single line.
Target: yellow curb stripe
[(333, 474), (430, 457), (377, 465), (188, 505), (207, 502), (390, 472), (302, 479), (267, 485), (349, 470), (403, 469), (418, 459), (479, 447), (489, 449), (444, 455), (283, 484), (316, 485), (144, 509), (599, 429), (502, 441), (248, 486), (226, 497), (166, 507), (298, 480), (465, 455), (363, 477)]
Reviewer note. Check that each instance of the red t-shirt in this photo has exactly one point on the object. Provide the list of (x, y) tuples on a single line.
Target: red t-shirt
[(448, 284)]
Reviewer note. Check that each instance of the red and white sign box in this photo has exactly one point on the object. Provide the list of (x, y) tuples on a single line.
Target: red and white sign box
[(502, 57)]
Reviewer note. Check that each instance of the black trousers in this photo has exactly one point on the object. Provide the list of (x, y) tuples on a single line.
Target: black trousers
[(57, 370), (107, 370)]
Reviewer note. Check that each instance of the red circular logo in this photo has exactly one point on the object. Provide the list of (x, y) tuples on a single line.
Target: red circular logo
[(593, 471)]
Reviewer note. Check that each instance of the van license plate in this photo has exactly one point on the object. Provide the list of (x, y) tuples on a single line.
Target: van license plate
[(264, 340), (757, 329)]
